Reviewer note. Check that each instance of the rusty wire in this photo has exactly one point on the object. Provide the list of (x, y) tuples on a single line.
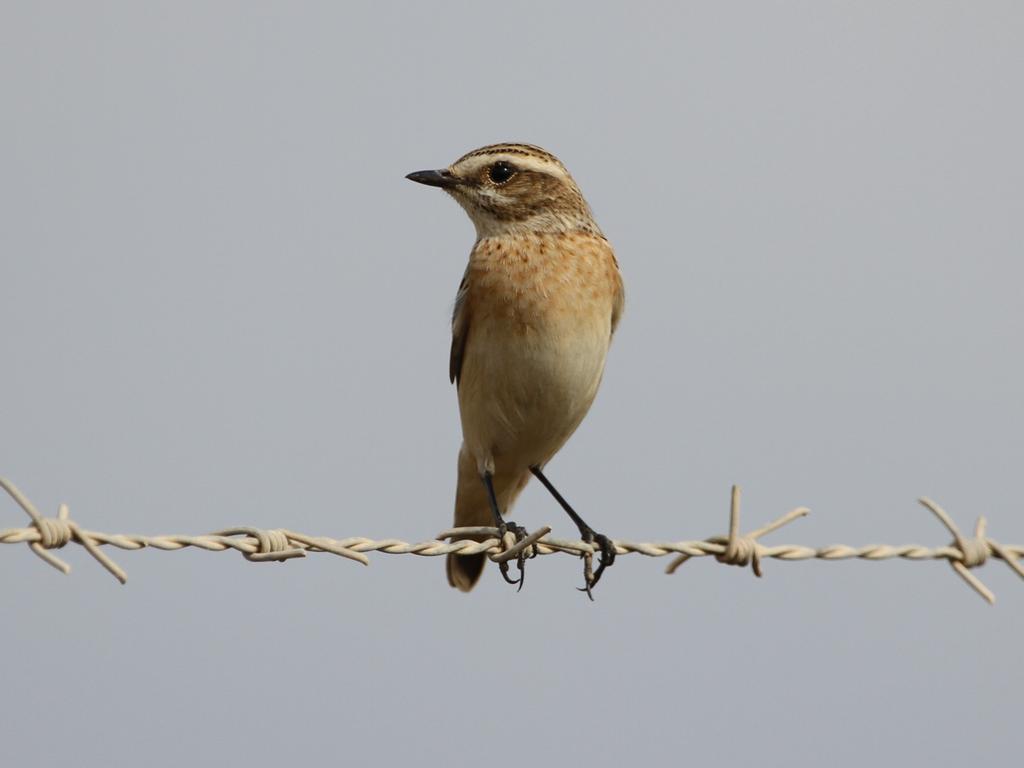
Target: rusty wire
[(260, 545)]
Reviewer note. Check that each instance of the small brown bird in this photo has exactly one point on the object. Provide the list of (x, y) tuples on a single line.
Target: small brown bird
[(534, 316)]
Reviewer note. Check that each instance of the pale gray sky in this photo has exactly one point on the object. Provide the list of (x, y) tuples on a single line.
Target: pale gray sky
[(223, 304)]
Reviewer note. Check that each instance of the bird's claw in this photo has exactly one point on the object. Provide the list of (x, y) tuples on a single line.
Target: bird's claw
[(519, 532), (607, 558)]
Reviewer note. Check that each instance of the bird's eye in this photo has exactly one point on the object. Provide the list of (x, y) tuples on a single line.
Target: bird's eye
[(501, 172)]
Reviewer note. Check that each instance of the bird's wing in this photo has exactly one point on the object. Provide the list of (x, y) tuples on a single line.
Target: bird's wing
[(619, 300), (460, 330)]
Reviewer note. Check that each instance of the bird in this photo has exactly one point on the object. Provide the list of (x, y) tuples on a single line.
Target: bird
[(533, 320)]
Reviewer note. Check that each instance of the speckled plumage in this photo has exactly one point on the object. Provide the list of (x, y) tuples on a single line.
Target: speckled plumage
[(533, 321)]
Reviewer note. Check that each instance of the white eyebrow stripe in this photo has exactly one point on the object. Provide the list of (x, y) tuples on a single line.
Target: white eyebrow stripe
[(472, 165)]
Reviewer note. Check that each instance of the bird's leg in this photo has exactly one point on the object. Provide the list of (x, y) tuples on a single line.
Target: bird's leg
[(503, 528), (589, 535)]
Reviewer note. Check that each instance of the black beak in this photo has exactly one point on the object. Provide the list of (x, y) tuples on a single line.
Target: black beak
[(442, 178)]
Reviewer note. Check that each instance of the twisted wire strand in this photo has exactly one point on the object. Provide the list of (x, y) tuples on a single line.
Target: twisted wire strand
[(279, 544)]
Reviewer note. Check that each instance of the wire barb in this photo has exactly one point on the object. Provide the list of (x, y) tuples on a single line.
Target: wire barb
[(54, 533), (973, 552), (271, 546), (742, 550), (46, 534)]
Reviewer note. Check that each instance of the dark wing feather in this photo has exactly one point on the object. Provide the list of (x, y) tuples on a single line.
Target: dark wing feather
[(460, 330), (619, 302)]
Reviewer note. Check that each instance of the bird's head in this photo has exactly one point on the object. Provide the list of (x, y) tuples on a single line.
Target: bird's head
[(513, 188)]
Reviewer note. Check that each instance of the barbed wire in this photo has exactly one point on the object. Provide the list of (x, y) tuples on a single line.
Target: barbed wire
[(261, 545)]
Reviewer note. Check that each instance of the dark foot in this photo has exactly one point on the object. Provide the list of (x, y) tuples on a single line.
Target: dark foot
[(607, 558), (607, 549), (520, 533), (504, 526)]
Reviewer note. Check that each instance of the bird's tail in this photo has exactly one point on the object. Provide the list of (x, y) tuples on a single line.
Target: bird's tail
[(473, 508)]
